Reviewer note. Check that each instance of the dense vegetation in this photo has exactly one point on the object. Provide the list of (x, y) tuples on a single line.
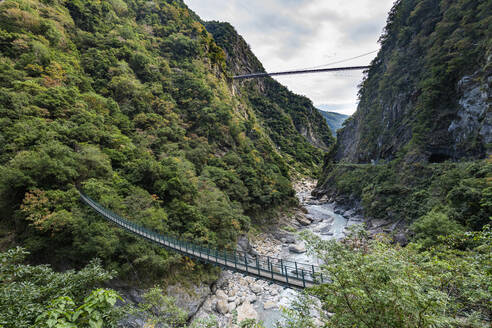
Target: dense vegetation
[(459, 193), (407, 101), (410, 101), (377, 285), (431, 183), (334, 120), (131, 102), (30, 294), (286, 117), (128, 100)]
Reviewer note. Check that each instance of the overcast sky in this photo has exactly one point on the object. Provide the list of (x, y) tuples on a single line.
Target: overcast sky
[(295, 34)]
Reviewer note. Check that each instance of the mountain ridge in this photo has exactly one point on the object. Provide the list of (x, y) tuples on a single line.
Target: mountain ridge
[(334, 119)]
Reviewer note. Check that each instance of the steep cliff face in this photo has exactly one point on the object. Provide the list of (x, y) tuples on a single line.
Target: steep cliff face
[(284, 113), (427, 94)]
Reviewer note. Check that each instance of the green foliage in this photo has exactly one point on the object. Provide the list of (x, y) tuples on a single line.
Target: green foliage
[(299, 313), (411, 93), (283, 115), (376, 284), (433, 225), (27, 291), (97, 311), (397, 191), (161, 310), (128, 100)]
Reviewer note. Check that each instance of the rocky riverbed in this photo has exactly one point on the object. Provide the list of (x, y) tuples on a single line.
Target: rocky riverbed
[(236, 297)]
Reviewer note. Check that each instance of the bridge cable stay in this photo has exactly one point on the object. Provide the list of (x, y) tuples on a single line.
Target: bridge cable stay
[(341, 60), (279, 271)]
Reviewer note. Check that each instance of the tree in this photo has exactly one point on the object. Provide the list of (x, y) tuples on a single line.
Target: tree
[(376, 284), (97, 311), (29, 292)]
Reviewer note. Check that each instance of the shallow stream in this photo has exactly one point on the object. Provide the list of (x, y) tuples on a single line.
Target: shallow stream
[(327, 225)]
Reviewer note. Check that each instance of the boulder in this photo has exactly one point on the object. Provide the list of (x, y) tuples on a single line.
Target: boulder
[(303, 220), (290, 239), (232, 307), (221, 294), (326, 230), (401, 238), (269, 305), (189, 299), (251, 299), (246, 311), (256, 288), (298, 248), (222, 306), (349, 213), (244, 245)]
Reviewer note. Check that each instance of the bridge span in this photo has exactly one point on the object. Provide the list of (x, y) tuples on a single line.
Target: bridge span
[(282, 272), (304, 71)]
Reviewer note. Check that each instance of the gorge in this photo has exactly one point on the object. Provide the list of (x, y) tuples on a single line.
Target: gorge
[(133, 103)]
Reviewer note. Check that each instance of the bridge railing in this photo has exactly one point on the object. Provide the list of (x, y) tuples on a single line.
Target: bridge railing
[(241, 261)]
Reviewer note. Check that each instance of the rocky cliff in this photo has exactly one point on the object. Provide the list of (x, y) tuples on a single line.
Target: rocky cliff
[(427, 94)]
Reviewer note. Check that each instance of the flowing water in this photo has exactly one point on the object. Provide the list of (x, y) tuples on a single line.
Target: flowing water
[(327, 225), (260, 294)]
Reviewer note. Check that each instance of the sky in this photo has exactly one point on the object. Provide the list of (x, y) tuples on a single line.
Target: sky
[(296, 34)]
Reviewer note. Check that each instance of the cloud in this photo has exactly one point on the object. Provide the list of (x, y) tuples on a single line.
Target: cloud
[(291, 34)]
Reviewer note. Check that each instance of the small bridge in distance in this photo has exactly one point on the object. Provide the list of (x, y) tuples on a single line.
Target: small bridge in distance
[(282, 272), (303, 71)]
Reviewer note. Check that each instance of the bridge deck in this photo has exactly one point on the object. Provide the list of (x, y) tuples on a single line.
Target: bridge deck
[(292, 274), (303, 71)]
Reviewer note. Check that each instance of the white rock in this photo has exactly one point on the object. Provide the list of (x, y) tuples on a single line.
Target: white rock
[(221, 294), (298, 248), (256, 288), (222, 306), (251, 298), (232, 307), (246, 311), (269, 305)]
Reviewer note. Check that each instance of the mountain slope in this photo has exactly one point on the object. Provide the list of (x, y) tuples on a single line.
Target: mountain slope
[(418, 149), (334, 120), (130, 102), (285, 115), (427, 94)]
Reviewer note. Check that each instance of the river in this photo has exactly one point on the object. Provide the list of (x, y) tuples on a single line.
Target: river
[(238, 297), (327, 225)]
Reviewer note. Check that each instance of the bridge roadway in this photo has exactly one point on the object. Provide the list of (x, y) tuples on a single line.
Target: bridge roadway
[(303, 71), (282, 272)]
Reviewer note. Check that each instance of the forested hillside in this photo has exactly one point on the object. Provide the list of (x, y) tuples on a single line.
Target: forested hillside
[(131, 102), (285, 116), (334, 120), (415, 161), (424, 121), (427, 94)]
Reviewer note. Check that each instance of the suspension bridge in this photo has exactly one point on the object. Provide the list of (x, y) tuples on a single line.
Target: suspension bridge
[(289, 273), (303, 71)]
